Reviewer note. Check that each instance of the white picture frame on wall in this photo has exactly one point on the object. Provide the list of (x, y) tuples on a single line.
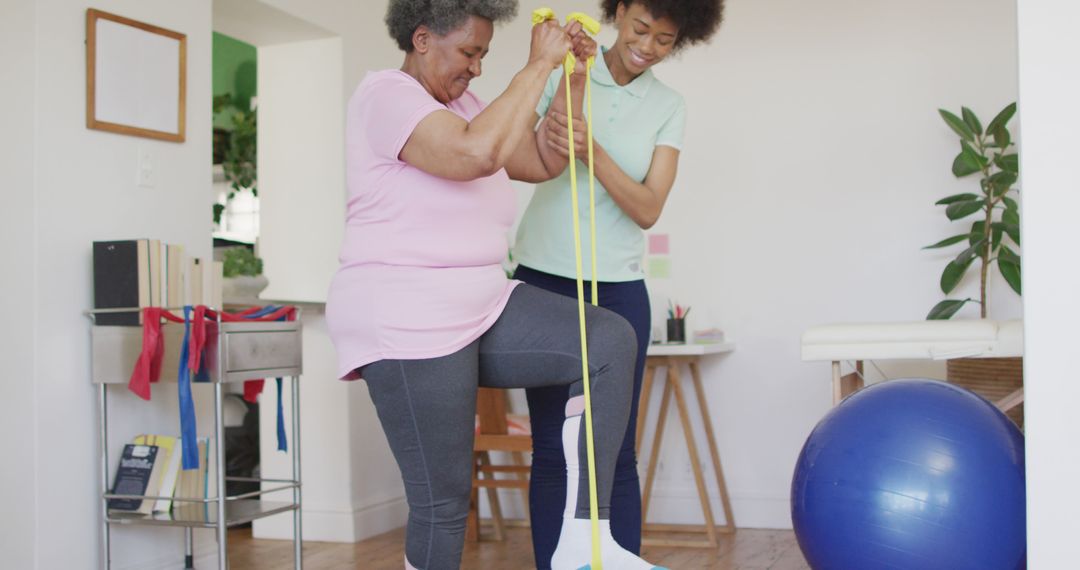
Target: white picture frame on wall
[(136, 77)]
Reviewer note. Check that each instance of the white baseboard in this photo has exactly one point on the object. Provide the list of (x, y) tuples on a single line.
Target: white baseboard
[(680, 505), (377, 519), (338, 526)]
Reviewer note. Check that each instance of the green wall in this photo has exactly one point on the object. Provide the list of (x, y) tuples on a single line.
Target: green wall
[(234, 73)]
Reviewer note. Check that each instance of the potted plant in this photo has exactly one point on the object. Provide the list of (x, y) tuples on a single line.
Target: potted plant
[(994, 235), (238, 150), (992, 239), (243, 276)]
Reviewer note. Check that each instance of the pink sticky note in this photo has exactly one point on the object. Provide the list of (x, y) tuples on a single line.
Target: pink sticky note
[(658, 244)]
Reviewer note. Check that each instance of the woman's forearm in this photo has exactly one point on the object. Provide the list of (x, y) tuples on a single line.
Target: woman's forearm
[(492, 136), (553, 161), (641, 201)]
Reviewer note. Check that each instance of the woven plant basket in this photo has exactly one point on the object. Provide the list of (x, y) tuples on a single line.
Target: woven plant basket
[(991, 378)]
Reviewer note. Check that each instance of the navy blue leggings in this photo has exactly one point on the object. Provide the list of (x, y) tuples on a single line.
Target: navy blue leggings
[(547, 485)]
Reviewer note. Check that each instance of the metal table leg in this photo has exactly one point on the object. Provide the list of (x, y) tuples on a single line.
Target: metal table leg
[(103, 409), (298, 546), (222, 528)]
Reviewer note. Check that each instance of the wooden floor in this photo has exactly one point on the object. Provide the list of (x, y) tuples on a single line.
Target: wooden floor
[(747, 549)]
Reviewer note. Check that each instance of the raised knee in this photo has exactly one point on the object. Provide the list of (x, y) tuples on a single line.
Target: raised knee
[(613, 338)]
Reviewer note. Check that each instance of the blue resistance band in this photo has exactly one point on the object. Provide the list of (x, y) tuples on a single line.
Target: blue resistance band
[(188, 431)]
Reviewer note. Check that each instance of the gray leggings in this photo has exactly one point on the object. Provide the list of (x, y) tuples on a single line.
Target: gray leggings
[(427, 408)]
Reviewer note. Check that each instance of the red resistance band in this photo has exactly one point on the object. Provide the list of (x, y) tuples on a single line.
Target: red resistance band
[(148, 366)]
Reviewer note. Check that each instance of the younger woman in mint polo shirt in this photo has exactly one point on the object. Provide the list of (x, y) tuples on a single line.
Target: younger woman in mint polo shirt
[(638, 124)]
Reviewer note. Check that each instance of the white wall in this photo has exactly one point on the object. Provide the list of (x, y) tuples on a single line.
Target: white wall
[(18, 484), (82, 188), (301, 166), (1049, 90)]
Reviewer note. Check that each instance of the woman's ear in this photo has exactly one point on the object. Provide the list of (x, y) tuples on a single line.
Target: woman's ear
[(620, 13), (421, 39)]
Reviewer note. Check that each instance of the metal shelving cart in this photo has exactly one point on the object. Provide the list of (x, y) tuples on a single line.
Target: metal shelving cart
[(239, 351)]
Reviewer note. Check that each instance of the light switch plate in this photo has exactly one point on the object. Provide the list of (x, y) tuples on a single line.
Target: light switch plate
[(144, 169)]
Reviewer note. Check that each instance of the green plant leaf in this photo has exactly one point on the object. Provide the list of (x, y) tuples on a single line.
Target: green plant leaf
[(240, 261), (1010, 204), (975, 249), (956, 198), (1011, 217), (968, 161), (978, 231), (948, 241), (961, 210), (1008, 163), (1008, 255), (971, 120), (957, 124), (945, 309), (1002, 181), (1011, 272), (953, 274), (1002, 118), (1002, 138), (1014, 232), (1012, 229)]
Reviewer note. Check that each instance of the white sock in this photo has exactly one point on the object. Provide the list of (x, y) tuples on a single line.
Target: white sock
[(574, 550)]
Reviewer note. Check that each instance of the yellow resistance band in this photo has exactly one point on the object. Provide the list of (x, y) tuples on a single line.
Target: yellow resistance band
[(593, 27)]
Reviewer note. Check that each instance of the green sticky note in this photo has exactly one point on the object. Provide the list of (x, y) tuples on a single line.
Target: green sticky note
[(659, 267)]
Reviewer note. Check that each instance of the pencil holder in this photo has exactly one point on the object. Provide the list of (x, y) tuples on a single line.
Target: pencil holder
[(676, 330)]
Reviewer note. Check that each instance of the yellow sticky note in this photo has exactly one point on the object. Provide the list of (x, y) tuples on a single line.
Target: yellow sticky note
[(659, 267)]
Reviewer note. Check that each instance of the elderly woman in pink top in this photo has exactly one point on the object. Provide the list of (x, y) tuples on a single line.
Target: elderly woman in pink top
[(421, 308)]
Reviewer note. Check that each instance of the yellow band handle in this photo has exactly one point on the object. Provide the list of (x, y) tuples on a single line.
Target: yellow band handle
[(542, 15), (587, 22)]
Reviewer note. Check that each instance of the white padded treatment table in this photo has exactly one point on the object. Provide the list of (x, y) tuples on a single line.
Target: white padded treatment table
[(914, 340)]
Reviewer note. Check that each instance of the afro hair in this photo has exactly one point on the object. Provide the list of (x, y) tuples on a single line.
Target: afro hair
[(697, 20)]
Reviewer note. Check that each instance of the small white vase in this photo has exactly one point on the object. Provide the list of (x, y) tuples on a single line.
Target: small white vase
[(243, 289)]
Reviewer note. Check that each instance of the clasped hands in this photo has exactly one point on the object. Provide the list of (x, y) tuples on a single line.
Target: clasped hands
[(551, 42)]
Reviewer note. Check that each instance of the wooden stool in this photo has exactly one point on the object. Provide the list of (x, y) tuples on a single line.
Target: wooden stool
[(672, 357), (497, 430)]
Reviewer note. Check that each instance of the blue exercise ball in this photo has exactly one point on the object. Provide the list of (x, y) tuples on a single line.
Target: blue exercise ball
[(912, 474)]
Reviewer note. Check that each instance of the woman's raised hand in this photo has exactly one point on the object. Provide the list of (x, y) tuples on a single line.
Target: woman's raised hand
[(558, 135), (551, 42), (584, 46)]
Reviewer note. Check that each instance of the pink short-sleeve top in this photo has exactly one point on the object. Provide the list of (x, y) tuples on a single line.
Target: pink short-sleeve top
[(421, 271)]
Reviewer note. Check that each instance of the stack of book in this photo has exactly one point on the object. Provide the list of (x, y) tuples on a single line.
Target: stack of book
[(150, 273), (150, 466)]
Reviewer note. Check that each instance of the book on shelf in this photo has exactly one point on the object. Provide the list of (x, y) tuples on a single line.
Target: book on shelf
[(709, 336), (169, 447), (175, 275), (123, 277), (157, 274), (149, 273), (139, 473), (195, 280), (193, 483)]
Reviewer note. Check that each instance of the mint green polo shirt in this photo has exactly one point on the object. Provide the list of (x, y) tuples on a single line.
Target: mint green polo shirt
[(629, 121)]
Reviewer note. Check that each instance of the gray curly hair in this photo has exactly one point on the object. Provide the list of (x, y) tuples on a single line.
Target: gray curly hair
[(441, 16)]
